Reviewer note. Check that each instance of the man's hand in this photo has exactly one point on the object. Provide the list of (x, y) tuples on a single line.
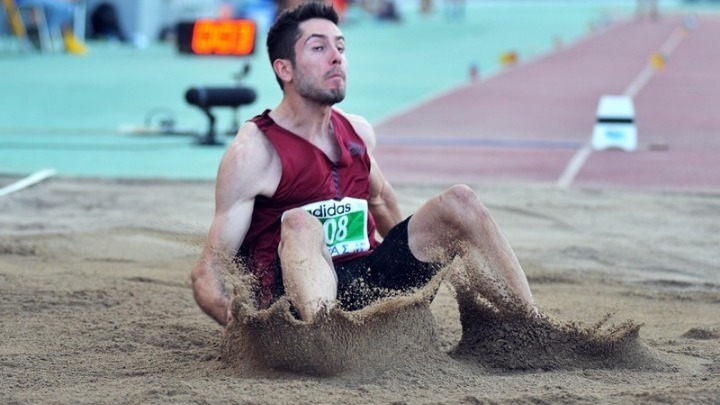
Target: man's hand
[(209, 291)]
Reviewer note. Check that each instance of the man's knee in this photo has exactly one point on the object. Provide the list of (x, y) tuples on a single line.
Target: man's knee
[(453, 216), (460, 206), (298, 219), (297, 223)]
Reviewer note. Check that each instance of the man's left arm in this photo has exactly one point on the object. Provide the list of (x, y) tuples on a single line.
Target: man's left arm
[(383, 201)]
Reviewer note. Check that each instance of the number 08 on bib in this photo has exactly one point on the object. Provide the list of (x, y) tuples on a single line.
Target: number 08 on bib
[(344, 223)]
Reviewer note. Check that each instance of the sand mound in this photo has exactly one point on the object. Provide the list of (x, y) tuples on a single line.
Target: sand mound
[(391, 332), (508, 339), (401, 331)]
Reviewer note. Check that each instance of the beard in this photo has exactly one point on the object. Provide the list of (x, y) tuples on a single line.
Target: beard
[(318, 95)]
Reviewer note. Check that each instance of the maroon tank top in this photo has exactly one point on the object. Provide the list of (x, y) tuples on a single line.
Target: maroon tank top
[(308, 176)]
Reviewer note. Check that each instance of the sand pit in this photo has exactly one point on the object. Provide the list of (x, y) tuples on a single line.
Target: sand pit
[(95, 306)]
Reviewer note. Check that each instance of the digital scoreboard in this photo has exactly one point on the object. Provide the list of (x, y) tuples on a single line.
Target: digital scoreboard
[(226, 37)]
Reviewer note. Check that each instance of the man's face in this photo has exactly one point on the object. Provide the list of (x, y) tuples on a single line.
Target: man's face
[(320, 64)]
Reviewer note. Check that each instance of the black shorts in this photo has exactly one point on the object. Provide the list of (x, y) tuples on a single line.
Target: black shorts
[(390, 268)]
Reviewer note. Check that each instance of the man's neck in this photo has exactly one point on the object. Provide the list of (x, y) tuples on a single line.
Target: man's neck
[(310, 121)]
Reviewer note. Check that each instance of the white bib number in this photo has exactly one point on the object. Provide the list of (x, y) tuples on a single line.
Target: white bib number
[(344, 223)]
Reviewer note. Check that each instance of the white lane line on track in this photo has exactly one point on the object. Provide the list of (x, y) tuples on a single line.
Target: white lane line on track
[(574, 165), (27, 181), (666, 49)]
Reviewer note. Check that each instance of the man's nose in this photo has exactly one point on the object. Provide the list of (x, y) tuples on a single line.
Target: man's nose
[(336, 56)]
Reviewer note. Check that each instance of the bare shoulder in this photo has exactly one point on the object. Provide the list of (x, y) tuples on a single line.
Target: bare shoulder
[(249, 142), (250, 164), (362, 127)]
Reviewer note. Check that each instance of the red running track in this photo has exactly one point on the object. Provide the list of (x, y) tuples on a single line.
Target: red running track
[(527, 123)]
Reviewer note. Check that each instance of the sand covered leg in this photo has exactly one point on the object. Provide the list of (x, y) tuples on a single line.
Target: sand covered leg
[(308, 275), (455, 223)]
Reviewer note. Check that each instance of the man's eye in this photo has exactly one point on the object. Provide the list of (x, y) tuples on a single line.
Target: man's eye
[(318, 48), (341, 49)]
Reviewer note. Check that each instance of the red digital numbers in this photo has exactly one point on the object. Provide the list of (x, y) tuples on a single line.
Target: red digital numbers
[(223, 37)]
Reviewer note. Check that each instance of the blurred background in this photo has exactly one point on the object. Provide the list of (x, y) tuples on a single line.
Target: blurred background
[(116, 106)]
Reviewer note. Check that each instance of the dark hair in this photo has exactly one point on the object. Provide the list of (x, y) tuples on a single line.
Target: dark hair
[(285, 30)]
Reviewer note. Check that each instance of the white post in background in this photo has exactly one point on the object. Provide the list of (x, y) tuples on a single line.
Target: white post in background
[(615, 124)]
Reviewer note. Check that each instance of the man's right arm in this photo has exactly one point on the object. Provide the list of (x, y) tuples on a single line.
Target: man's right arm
[(244, 173), (208, 279)]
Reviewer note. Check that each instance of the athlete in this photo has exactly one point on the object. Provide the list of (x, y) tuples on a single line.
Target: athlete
[(302, 204)]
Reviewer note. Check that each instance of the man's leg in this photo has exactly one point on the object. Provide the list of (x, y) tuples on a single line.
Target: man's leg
[(307, 271), (455, 223)]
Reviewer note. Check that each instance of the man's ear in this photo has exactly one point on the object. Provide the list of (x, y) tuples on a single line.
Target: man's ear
[(283, 69)]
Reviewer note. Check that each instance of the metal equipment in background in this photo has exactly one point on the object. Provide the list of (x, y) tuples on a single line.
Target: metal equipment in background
[(221, 37), (207, 98)]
